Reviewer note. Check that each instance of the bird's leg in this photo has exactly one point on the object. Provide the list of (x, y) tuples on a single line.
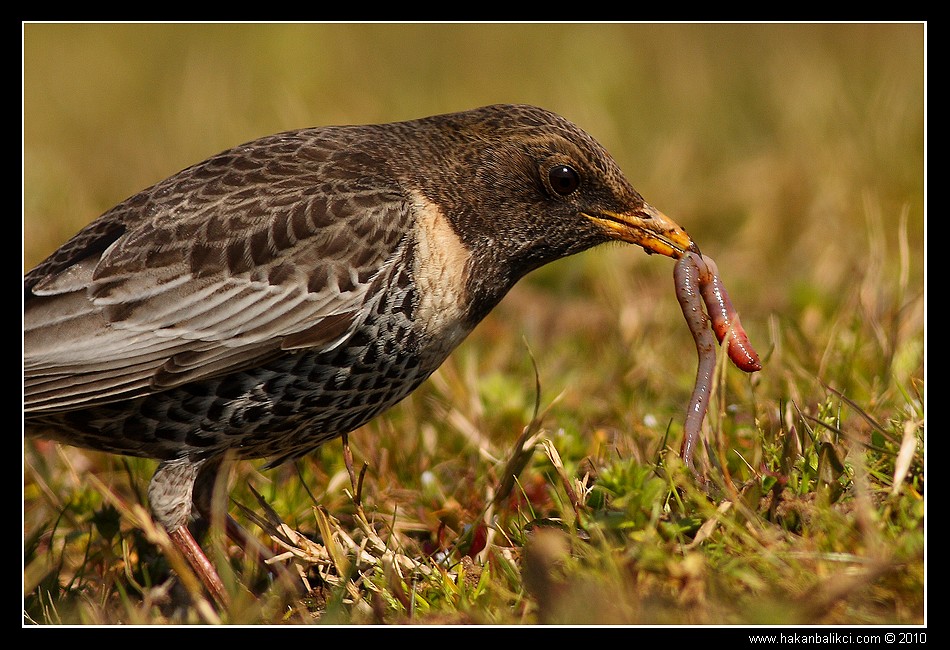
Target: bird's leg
[(202, 499), (182, 538), (170, 497)]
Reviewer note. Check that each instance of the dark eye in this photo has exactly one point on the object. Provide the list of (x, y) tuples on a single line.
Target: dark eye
[(563, 179)]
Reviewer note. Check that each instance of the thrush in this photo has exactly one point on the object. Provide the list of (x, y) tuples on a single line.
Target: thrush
[(287, 291)]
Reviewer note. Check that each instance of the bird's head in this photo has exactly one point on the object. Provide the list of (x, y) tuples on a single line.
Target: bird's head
[(538, 188)]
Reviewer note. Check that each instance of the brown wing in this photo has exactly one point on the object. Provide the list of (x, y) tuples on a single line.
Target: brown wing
[(271, 246)]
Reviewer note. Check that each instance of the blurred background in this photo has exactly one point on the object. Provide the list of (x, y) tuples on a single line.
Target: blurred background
[(774, 141), (794, 154)]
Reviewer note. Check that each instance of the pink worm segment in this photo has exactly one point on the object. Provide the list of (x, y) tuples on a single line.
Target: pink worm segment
[(697, 282), (725, 320)]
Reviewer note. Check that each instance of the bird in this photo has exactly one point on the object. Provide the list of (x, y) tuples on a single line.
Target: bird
[(286, 291)]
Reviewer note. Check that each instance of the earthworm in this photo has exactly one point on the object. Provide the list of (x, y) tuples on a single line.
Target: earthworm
[(725, 320), (697, 283)]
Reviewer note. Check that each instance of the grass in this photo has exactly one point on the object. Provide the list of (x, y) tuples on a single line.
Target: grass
[(794, 154)]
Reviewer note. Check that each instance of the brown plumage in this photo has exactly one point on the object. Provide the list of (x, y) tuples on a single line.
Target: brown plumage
[(287, 291)]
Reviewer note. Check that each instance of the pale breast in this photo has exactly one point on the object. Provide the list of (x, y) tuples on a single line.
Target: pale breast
[(440, 267)]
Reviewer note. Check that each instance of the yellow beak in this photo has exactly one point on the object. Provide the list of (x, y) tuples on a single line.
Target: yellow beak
[(647, 227)]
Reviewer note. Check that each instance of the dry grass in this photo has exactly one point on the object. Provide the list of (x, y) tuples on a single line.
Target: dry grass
[(794, 154)]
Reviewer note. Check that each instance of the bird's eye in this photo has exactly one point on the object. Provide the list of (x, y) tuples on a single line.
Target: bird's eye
[(563, 179)]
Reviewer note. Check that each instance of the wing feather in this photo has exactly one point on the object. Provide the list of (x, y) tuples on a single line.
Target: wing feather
[(196, 277)]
